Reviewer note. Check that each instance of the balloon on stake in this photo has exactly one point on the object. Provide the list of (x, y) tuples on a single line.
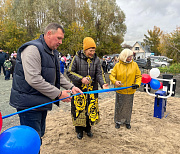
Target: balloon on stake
[(154, 84), (20, 140), (1, 121), (161, 85), (146, 78), (154, 72)]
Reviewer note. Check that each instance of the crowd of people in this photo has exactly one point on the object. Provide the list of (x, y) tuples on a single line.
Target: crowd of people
[(7, 63), (38, 76), (108, 63)]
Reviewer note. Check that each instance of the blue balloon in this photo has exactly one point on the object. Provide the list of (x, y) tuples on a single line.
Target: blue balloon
[(155, 84), (20, 140)]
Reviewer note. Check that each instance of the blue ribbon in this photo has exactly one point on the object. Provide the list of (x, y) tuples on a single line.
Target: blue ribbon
[(88, 92)]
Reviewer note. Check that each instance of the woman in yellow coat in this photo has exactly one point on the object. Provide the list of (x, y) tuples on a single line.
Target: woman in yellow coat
[(125, 73)]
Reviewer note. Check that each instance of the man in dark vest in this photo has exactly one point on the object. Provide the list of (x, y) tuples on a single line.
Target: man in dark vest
[(37, 78)]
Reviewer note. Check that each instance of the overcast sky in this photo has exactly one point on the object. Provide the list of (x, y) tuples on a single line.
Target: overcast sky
[(143, 15)]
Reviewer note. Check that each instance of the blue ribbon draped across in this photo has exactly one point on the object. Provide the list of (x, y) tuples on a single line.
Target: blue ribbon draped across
[(88, 92)]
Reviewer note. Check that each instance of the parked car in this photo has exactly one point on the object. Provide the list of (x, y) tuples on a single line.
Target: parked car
[(161, 58), (111, 56), (160, 63), (164, 58), (142, 63)]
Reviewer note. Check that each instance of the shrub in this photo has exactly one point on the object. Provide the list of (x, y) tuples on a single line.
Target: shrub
[(174, 69)]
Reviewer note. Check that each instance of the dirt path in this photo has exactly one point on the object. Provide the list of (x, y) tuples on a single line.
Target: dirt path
[(147, 135), (6, 109)]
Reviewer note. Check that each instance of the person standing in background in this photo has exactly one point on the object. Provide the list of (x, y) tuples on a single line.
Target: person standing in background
[(13, 54), (124, 74), (104, 65), (148, 64), (65, 59), (2, 60), (116, 60), (85, 72), (7, 67), (7, 55), (13, 61), (62, 65)]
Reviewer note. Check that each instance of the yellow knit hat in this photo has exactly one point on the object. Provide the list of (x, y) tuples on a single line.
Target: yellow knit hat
[(88, 42)]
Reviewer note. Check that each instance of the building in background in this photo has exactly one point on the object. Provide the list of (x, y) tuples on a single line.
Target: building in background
[(141, 51)]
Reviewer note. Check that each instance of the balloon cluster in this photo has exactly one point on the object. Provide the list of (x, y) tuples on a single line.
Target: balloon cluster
[(19, 140), (150, 79)]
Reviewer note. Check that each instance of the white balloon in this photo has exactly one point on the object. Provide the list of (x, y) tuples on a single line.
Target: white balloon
[(154, 72)]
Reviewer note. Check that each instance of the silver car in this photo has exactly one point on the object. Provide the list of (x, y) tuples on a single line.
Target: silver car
[(161, 58), (164, 58), (160, 63)]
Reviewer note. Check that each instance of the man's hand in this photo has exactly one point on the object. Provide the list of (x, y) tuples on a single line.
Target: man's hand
[(85, 80), (65, 94), (135, 86), (118, 83), (76, 90), (105, 86)]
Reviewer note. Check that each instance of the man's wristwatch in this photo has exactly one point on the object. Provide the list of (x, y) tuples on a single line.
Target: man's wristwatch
[(71, 88), (60, 94)]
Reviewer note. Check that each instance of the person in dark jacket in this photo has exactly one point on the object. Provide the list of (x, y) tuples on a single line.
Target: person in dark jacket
[(85, 72), (13, 61), (7, 55), (148, 64), (2, 60), (104, 65), (37, 78)]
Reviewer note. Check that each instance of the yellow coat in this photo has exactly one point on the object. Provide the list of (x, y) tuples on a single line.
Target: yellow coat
[(128, 74)]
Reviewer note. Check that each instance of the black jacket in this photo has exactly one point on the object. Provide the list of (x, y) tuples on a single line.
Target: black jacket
[(81, 66), (2, 57)]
